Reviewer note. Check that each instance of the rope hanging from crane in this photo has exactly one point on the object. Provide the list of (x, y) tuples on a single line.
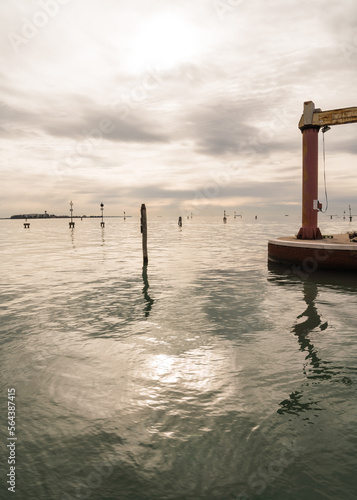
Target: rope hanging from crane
[(324, 129)]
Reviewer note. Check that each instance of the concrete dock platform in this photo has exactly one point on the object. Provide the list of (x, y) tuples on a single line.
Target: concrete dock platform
[(336, 252)]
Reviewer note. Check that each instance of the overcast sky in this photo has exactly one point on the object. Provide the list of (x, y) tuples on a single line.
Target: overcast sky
[(187, 105)]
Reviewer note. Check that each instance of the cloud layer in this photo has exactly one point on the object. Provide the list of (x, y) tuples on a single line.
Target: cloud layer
[(144, 102)]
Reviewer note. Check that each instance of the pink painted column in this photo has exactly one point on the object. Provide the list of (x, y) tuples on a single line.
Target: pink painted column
[(309, 229)]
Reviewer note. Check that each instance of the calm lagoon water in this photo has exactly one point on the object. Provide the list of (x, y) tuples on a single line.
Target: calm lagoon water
[(210, 375)]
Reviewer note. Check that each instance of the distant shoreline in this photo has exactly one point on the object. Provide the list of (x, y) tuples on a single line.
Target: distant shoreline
[(32, 217)]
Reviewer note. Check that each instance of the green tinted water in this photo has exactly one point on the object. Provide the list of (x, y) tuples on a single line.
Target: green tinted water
[(207, 376)]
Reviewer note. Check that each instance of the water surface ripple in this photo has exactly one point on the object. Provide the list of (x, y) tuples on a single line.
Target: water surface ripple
[(208, 375)]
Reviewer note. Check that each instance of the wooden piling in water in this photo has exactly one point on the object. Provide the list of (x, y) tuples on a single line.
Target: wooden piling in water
[(144, 232), (71, 224), (102, 224)]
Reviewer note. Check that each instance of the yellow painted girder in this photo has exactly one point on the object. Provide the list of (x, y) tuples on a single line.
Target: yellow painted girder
[(316, 117)]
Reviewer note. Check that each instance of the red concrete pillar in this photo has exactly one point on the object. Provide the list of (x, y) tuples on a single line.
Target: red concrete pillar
[(309, 229)]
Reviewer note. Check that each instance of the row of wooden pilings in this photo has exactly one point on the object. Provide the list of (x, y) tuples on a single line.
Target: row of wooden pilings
[(143, 227), (144, 230)]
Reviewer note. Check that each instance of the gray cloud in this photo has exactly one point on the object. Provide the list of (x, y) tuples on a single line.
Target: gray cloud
[(135, 130), (219, 130), (233, 128), (78, 119), (239, 190)]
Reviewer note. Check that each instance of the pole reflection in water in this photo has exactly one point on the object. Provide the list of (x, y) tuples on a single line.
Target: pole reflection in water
[(72, 237), (314, 368), (302, 330), (147, 297)]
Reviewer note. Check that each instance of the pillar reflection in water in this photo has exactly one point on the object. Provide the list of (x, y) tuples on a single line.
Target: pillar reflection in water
[(318, 368), (149, 300), (302, 330), (306, 323)]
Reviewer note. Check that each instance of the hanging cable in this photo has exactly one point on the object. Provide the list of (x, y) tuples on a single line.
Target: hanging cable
[(325, 129)]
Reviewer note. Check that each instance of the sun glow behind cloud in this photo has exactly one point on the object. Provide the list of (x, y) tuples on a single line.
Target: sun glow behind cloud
[(163, 40)]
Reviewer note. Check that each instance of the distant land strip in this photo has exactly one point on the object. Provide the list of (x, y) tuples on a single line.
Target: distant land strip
[(48, 216)]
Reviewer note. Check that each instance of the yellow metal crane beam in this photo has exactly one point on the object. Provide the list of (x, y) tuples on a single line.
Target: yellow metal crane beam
[(312, 117)]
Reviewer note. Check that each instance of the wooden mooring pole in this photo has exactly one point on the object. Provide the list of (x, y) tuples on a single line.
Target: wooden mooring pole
[(102, 224), (71, 224), (144, 232)]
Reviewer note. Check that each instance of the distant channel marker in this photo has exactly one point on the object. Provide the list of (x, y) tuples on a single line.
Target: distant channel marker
[(102, 224)]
